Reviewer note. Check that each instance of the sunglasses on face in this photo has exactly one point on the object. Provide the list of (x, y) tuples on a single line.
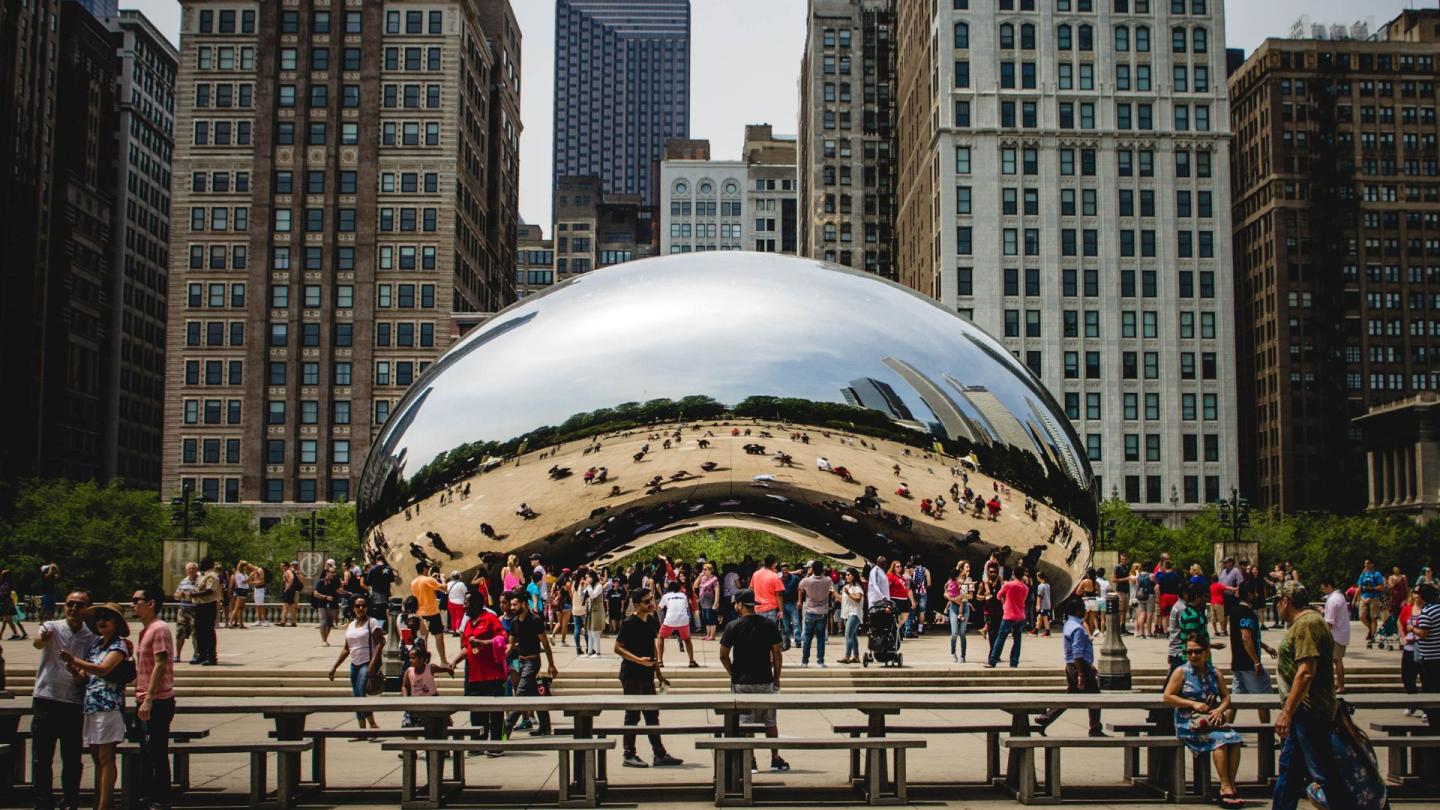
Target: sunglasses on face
[(77, 604), (1194, 652)]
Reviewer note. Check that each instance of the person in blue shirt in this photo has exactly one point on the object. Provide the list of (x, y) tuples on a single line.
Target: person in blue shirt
[(1370, 600), (1081, 676)]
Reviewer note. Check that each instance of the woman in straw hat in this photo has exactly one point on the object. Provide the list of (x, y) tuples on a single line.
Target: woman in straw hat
[(104, 696)]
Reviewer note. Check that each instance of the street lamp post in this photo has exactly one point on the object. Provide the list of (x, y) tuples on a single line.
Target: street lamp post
[(1234, 514), (187, 510)]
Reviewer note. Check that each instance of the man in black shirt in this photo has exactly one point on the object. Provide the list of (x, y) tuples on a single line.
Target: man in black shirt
[(639, 670), (1121, 582), (755, 668), (1248, 675), (528, 640), (379, 579)]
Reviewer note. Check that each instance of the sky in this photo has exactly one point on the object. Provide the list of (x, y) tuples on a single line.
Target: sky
[(745, 62)]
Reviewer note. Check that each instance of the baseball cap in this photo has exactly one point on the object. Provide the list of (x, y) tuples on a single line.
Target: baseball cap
[(745, 597)]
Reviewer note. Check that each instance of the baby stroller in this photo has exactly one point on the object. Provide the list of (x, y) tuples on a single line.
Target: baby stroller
[(1388, 637), (883, 642)]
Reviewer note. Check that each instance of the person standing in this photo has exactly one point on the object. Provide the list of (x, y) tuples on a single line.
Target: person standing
[(817, 593), (707, 598), (957, 608), (920, 591), (675, 610), (482, 648), (455, 592), (185, 615), (1307, 719), (380, 579), (56, 701), (325, 598), (426, 590), (258, 578), (154, 695), (1231, 578), (1337, 617), (528, 641), (1081, 676), (1409, 666), (1043, 609), (769, 591), (364, 643), (1012, 619), (1370, 600), (49, 588), (8, 615), (640, 673), (104, 707), (207, 612), (852, 605), (1247, 671), (593, 595), (1427, 644), (790, 604), (1122, 583), (758, 658), (294, 585)]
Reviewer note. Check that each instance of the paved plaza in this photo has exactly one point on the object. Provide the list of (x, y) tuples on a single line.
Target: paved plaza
[(260, 660)]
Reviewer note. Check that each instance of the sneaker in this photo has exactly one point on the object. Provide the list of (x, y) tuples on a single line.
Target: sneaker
[(494, 754), (634, 761), (522, 725), (1411, 713), (694, 665), (665, 760), (778, 764), (594, 654), (962, 659), (804, 665), (820, 664), (955, 658), (1095, 732)]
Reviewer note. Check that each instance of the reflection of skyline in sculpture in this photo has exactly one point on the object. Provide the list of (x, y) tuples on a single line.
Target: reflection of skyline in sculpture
[(629, 370), (952, 420)]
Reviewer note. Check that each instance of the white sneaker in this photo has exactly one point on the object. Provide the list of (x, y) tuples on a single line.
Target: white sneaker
[(955, 658), (594, 654), (1411, 713), (821, 665), (804, 666)]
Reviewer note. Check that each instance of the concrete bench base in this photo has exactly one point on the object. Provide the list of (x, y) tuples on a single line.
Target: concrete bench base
[(286, 768), (733, 785), (1028, 789), (587, 794)]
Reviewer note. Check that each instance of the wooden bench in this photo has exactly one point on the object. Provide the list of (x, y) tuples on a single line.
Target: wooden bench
[(992, 742), (1028, 787), (733, 785), (286, 779), (435, 750), (180, 761)]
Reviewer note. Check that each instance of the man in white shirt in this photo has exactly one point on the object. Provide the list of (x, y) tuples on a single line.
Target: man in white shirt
[(877, 589), (1337, 615), (675, 620), (729, 586), (56, 703)]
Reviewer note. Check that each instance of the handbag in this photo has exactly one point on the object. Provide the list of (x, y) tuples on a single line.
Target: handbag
[(375, 675)]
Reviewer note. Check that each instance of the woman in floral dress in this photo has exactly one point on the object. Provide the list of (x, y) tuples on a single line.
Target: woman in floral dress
[(1202, 703)]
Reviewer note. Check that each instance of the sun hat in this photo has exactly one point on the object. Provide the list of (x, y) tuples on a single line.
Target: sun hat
[(93, 612)]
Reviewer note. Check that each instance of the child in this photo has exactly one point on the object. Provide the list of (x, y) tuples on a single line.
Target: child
[(419, 679)]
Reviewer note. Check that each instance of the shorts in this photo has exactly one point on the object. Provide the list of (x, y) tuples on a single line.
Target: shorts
[(433, 625), (667, 631), (1167, 601), (755, 717), (327, 616), (103, 728), (1339, 651), (1044, 613), (259, 594), (288, 597), (1254, 682), (1372, 609), (1092, 605), (1217, 611), (240, 593), (184, 624)]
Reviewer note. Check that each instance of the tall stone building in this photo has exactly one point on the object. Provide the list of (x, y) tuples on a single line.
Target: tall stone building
[(746, 204), (140, 250), (622, 89), (335, 187), (594, 229), (534, 261), (1064, 185), (847, 145), (1336, 178)]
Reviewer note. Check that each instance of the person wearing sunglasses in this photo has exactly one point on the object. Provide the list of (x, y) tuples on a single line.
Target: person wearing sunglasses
[(104, 707), (364, 642), (1202, 704), (1305, 723), (154, 695), (56, 704)]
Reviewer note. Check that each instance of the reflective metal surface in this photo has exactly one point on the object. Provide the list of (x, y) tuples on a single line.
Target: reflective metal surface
[(728, 389)]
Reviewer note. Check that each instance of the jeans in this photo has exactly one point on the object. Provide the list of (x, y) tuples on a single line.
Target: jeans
[(1430, 685), (916, 624), (358, 673), (852, 637), (814, 627), (791, 629), (205, 615), (1309, 741), (577, 623), (492, 722), (778, 617), (56, 721), (958, 626), (1008, 627), (641, 686), (529, 669), (1409, 672), (155, 752)]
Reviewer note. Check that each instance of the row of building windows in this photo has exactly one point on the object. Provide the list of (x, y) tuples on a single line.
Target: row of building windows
[(225, 58), (220, 182), (706, 209), (306, 451), (1128, 162), (277, 373), (1131, 409), (221, 257), (215, 333), (1072, 282), (1198, 8)]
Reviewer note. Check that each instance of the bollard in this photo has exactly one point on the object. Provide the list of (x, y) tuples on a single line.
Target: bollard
[(1114, 664)]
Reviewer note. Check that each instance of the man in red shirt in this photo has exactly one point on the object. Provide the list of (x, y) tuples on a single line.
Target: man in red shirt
[(155, 694), (482, 648), (1012, 619)]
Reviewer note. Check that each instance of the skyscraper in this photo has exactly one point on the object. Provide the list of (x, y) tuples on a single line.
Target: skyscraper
[(847, 144), (622, 88), (334, 232), (1337, 183), (1064, 183)]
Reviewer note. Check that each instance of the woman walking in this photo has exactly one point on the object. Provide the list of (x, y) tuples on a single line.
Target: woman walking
[(1202, 703), (512, 576), (1089, 591), (104, 707), (594, 597), (957, 607), (852, 606), (560, 606), (8, 617), (988, 595), (707, 597), (294, 584), (364, 642), (1144, 588)]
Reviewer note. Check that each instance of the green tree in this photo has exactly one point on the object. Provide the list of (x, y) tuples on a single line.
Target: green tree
[(725, 545)]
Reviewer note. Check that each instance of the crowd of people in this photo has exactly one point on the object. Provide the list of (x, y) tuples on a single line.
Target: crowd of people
[(507, 643)]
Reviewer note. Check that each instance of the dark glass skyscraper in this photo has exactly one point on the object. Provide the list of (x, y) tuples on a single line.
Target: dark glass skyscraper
[(622, 87)]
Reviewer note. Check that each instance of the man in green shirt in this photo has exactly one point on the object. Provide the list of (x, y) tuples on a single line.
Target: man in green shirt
[(1306, 723)]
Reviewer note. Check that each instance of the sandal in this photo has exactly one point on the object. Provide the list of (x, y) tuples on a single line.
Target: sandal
[(1230, 801)]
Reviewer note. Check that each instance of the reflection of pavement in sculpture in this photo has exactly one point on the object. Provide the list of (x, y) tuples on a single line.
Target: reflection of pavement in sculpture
[(559, 503)]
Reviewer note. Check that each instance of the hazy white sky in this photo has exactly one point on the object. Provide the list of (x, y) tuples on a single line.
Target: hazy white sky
[(745, 60)]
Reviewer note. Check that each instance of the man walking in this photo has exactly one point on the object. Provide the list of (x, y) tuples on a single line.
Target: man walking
[(877, 586), (639, 673), (154, 695), (1081, 676), (1121, 580), (755, 669), (426, 590), (1307, 718), (56, 704), (528, 640), (380, 578), (1247, 671), (1337, 618), (482, 648), (1012, 618), (1370, 600), (817, 592), (1231, 578), (207, 610)]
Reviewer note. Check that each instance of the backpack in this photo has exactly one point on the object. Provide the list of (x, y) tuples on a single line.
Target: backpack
[(1145, 585)]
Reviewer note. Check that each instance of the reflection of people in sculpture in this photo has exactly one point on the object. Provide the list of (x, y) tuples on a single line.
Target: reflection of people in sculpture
[(524, 511), (896, 470), (487, 530), (440, 546), (903, 490), (704, 443), (994, 507), (708, 466), (615, 491)]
